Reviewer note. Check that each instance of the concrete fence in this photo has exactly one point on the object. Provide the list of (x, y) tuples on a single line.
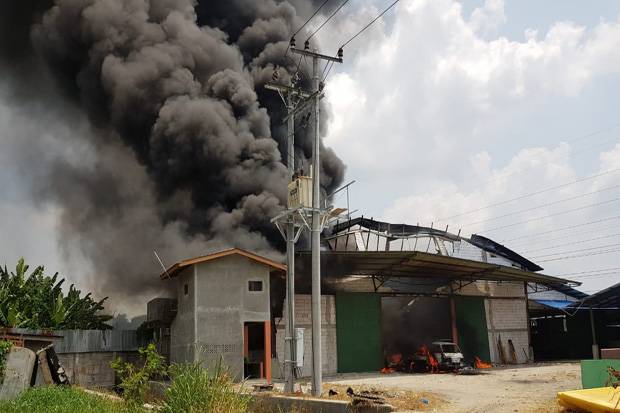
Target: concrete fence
[(86, 354)]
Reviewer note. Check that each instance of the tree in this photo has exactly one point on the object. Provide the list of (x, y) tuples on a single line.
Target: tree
[(37, 301)]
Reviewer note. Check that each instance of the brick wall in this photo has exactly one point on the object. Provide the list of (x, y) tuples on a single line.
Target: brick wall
[(303, 319)]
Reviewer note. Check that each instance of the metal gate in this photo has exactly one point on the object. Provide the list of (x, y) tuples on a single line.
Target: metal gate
[(358, 327)]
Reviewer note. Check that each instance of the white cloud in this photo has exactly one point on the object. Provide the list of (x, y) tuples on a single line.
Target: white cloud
[(489, 17), (425, 113)]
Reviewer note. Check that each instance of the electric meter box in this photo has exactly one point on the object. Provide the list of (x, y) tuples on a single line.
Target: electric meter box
[(299, 348), (300, 192)]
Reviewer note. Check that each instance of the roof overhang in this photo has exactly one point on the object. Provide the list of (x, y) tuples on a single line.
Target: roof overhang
[(416, 264), (606, 299), (179, 266)]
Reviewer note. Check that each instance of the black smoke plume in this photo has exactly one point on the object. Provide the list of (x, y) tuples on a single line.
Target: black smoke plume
[(184, 148)]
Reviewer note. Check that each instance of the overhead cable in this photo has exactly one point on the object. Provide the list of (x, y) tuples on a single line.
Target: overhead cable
[(578, 250), (587, 178), (609, 201), (527, 242), (569, 243), (590, 271), (369, 24), (328, 19), (568, 227), (304, 25), (311, 17), (543, 205), (581, 255)]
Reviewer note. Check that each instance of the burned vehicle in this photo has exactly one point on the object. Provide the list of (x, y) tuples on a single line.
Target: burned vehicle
[(448, 355)]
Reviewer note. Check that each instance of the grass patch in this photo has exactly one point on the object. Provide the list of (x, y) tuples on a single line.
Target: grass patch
[(195, 389), (63, 399)]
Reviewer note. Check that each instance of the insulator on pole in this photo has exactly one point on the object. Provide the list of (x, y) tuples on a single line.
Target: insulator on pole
[(307, 45), (292, 43), (340, 53)]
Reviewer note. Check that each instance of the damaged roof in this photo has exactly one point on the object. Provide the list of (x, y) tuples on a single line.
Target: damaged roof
[(417, 264), (404, 230)]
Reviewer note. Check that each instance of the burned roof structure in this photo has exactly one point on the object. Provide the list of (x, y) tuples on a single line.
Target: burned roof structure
[(395, 254)]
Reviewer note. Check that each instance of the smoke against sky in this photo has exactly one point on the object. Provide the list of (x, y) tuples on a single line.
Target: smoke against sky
[(172, 147)]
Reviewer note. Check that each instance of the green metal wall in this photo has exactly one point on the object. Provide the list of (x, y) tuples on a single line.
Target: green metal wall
[(358, 326), (471, 324)]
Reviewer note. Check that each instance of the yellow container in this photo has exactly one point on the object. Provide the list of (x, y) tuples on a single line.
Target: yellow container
[(597, 400)]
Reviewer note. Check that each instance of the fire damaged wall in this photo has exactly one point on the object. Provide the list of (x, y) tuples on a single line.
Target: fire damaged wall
[(408, 323)]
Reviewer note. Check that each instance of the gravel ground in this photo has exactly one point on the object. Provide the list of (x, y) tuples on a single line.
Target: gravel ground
[(530, 388)]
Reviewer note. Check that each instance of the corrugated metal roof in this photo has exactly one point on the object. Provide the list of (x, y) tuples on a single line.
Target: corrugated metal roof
[(416, 264), (609, 298)]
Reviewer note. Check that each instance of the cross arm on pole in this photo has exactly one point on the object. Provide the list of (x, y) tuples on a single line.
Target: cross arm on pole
[(304, 105), (286, 89), (316, 55)]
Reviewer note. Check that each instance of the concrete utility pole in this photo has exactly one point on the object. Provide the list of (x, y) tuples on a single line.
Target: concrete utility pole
[(288, 95), (317, 216)]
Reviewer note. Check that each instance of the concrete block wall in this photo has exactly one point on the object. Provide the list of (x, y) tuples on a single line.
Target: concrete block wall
[(303, 319), (508, 319), (92, 370), (224, 304)]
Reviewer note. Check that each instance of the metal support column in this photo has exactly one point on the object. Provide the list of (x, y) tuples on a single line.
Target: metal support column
[(595, 352)]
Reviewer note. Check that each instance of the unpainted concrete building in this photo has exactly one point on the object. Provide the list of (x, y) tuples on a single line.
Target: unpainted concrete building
[(223, 311)]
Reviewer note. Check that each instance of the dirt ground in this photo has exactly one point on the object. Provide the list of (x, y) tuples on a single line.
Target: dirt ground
[(527, 389)]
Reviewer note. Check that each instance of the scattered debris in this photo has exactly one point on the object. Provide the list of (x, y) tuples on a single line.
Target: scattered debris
[(365, 397), (24, 368), (332, 393), (263, 387)]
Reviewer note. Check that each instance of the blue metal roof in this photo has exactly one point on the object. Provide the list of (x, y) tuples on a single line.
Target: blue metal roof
[(557, 304)]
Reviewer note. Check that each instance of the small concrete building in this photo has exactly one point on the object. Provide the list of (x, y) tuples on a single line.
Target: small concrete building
[(223, 311)]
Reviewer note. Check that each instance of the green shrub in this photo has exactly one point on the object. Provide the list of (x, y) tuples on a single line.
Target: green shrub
[(63, 399), (34, 300), (194, 389), (135, 381), (5, 347)]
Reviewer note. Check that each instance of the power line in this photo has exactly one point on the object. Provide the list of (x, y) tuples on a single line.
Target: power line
[(570, 243), (578, 250), (597, 132), (579, 277), (529, 242), (544, 205), (302, 26), (580, 255), (589, 271), (369, 24), (555, 214), (587, 178), (310, 18), (587, 135), (568, 227), (328, 19)]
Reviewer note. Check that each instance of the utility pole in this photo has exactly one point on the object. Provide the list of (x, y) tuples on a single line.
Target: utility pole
[(289, 95), (317, 214)]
